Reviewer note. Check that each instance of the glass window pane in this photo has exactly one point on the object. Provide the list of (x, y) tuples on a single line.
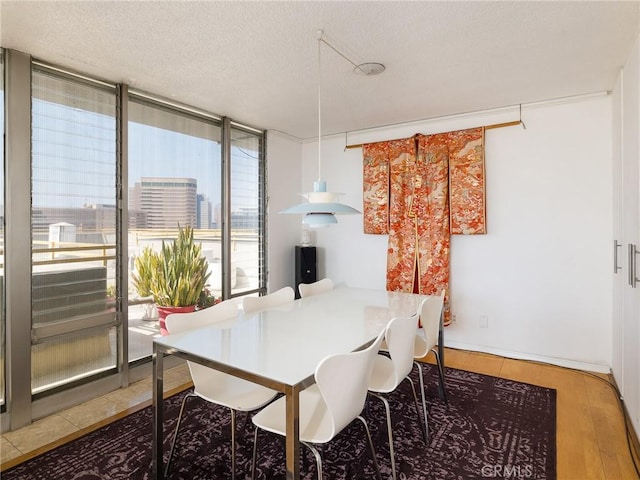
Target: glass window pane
[(174, 180), (73, 229), (247, 211), (2, 315)]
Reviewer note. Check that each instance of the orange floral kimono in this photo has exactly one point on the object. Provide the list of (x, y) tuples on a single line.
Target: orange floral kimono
[(419, 191)]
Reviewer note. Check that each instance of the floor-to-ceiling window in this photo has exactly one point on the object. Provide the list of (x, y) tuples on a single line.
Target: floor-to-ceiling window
[(73, 229), (2, 313), (246, 206), (174, 172), (178, 170)]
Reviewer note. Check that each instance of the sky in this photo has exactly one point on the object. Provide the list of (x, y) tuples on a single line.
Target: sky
[(74, 159)]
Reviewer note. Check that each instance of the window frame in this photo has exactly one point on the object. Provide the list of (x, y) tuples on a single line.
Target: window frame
[(21, 406)]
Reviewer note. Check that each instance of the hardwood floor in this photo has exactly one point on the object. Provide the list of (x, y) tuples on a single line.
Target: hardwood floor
[(591, 439)]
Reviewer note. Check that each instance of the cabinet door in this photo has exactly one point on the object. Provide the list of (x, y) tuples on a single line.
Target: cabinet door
[(631, 234), (619, 267)]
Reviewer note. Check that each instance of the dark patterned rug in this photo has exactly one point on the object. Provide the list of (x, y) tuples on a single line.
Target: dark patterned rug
[(492, 428)]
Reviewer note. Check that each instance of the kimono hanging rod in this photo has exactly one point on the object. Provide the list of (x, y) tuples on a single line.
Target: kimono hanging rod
[(486, 127)]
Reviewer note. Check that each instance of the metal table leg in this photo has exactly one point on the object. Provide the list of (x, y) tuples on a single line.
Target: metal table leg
[(441, 386), (157, 470), (293, 432)]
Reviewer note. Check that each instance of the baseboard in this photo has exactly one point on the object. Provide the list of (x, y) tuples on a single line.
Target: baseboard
[(561, 362)]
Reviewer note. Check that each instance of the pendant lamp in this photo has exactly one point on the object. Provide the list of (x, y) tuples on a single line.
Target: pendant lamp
[(321, 207)]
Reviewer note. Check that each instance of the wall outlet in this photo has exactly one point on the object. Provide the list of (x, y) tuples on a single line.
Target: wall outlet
[(484, 321), (454, 318)]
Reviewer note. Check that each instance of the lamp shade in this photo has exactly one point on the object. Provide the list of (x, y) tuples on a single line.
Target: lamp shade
[(319, 220), (321, 207)]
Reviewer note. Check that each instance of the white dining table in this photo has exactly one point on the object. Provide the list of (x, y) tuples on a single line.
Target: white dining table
[(280, 349)]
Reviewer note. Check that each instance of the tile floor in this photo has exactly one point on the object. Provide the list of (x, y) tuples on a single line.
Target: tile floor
[(42, 432)]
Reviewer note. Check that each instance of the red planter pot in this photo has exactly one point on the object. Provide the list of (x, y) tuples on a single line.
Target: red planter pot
[(164, 311)]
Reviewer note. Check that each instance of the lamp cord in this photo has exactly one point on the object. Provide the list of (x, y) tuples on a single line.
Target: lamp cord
[(319, 107)]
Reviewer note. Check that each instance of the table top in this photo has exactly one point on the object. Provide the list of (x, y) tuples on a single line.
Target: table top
[(285, 344)]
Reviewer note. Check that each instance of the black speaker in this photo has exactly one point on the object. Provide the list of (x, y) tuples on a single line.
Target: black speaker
[(306, 266)]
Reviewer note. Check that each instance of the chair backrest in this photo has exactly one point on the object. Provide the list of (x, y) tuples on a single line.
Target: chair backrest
[(430, 312), (279, 297), (400, 336), (179, 322), (308, 289), (343, 381)]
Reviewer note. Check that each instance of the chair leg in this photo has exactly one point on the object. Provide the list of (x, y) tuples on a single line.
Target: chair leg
[(233, 444), (443, 387), (316, 454), (390, 432), (175, 434), (255, 451), (424, 402), (304, 460), (373, 450), (425, 434)]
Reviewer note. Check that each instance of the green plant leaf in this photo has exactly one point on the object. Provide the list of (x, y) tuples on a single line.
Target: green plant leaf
[(176, 275)]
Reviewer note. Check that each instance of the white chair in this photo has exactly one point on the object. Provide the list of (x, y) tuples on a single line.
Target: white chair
[(426, 341), (327, 407), (308, 289), (214, 386), (390, 371), (277, 298)]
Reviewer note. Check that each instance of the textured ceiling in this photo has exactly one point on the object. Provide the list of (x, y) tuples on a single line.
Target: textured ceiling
[(257, 61)]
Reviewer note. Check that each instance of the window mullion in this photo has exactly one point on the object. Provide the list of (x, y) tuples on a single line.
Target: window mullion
[(226, 207)]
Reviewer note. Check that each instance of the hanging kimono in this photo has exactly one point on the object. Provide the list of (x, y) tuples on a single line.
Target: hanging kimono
[(418, 253), (419, 191), (466, 181), (375, 194), (401, 251)]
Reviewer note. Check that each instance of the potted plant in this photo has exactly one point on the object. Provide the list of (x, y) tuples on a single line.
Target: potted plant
[(175, 276), (207, 299)]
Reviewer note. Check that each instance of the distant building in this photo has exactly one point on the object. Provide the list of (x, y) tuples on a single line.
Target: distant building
[(216, 221), (154, 202), (203, 212), (90, 218), (137, 220), (167, 202), (245, 218)]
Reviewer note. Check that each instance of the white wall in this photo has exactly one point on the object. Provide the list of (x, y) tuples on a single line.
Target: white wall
[(542, 273), (284, 173)]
